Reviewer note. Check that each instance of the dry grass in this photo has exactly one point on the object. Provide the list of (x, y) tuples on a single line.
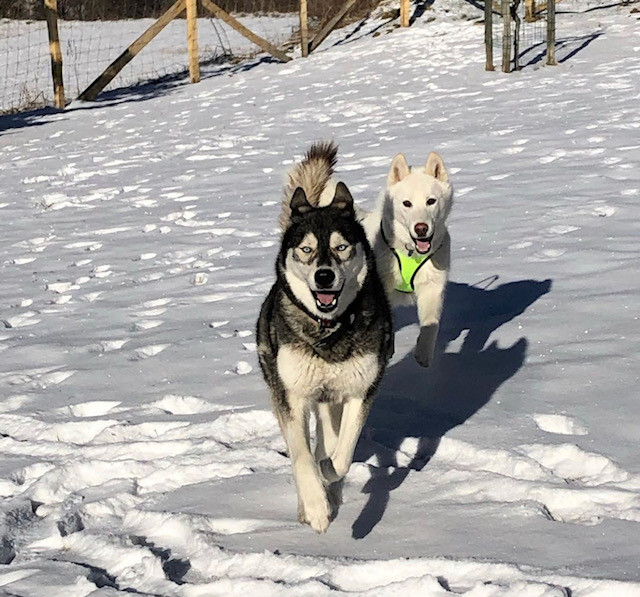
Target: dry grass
[(27, 100)]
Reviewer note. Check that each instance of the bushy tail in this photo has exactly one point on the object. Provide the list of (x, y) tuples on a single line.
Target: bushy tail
[(312, 174)]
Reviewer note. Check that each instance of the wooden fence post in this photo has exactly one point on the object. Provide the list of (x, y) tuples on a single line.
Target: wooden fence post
[(51, 12), (405, 10), (121, 61), (242, 30), (530, 10), (488, 34), (304, 29), (506, 36), (551, 33), (192, 40), (516, 34)]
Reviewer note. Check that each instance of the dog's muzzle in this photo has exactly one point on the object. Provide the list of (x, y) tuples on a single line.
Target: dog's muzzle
[(326, 300), (423, 245)]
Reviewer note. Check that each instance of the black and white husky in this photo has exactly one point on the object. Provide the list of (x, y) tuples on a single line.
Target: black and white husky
[(412, 246), (324, 332)]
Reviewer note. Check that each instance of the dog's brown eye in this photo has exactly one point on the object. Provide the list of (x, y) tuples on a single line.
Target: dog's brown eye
[(431, 201), (407, 203)]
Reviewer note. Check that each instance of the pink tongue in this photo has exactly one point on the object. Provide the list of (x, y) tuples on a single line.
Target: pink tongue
[(423, 245), (325, 299)]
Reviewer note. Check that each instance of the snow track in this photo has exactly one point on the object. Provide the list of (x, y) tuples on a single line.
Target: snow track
[(137, 451)]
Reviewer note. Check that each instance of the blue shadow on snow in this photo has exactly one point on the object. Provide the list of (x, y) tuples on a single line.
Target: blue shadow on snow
[(426, 403)]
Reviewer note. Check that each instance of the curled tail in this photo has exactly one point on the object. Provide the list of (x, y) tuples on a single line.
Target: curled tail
[(313, 174)]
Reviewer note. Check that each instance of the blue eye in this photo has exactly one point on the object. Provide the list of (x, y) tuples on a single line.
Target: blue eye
[(342, 248), (305, 249)]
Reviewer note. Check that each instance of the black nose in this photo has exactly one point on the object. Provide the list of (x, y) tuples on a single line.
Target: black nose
[(324, 278), (421, 230)]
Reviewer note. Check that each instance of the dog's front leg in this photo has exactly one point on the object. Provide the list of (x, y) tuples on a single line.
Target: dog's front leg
[(354, 414), (328, 415), (313, 506), (429, 296)]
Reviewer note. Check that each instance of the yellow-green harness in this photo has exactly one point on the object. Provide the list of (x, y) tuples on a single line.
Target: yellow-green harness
[(408, 264)]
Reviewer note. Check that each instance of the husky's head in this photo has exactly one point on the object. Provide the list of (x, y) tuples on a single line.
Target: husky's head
[(325, 256), (418, 201)]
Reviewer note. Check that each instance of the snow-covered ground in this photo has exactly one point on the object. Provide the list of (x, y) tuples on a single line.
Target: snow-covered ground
[(89, 47), (138, 452)]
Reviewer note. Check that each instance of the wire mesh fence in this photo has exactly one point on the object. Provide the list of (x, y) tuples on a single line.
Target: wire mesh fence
[(533, 28), (94, 32), (25, 77), (89, 47), (526, 30)]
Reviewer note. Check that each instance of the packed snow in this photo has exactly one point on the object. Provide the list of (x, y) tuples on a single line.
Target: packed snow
[(139, 454)]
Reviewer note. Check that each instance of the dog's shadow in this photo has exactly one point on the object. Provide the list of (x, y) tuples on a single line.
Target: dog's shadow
[(426, 403)]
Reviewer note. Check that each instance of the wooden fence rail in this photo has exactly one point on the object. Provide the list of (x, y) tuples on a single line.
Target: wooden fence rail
[(129, 54), (242, 30), (331, 25)]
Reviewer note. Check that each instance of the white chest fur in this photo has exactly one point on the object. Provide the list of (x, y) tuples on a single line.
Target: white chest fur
[(307, 377)]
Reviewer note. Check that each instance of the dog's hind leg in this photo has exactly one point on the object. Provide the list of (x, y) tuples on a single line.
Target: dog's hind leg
[(354, 414), (313, 506)]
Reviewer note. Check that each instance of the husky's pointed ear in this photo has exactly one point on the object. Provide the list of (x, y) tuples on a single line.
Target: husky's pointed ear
[(435, 167), (342, 199), (299, 204), (399, 169)]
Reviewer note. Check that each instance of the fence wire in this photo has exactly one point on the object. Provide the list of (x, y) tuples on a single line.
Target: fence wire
[(95, 32), (25, 72), (532, 30)]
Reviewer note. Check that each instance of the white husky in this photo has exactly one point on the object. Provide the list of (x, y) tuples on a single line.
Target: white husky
[(409, 236)]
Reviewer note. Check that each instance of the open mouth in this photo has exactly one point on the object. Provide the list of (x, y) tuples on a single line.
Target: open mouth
[(326, 300), (423, 245)]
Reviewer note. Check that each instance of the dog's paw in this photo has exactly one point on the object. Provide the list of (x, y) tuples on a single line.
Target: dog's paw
[(316, 513), (423, 358), (334, 494), (333, 470), (328, 471), (315, 510), (302, 515)]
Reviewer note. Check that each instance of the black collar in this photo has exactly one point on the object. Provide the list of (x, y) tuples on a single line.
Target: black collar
[(341, 326), (326, 324)]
